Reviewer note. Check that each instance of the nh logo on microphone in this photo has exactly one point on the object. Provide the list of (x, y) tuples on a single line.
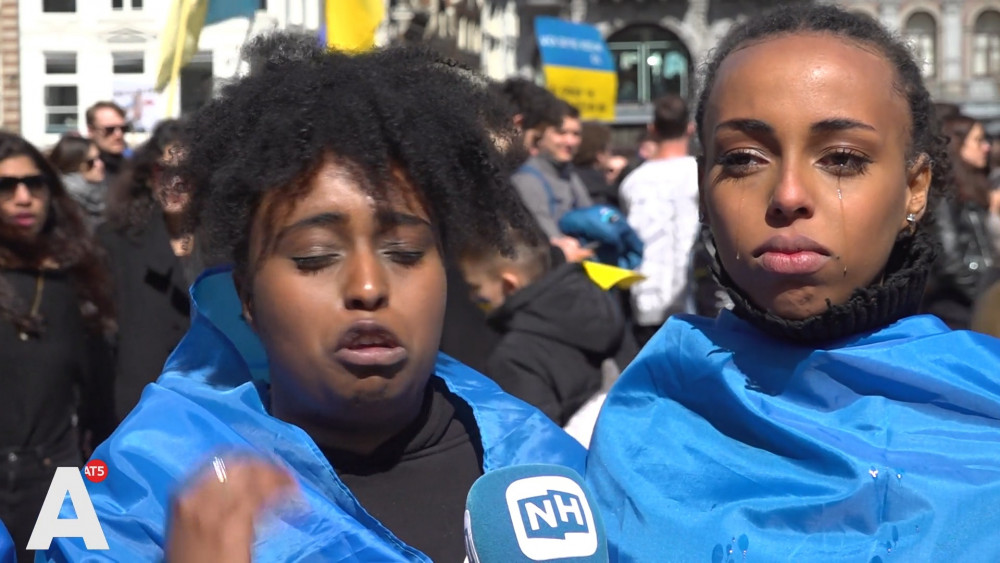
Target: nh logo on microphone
[(553, 515), (551, 518)]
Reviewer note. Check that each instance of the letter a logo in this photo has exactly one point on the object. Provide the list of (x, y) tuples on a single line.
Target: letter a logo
[(85, 525)]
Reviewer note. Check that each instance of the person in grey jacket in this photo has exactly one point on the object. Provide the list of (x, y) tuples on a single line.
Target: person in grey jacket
[(78, 161), (548, 184)]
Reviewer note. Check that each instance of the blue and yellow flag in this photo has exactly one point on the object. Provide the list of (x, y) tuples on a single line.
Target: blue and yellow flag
[(179, 41), (578, 66)]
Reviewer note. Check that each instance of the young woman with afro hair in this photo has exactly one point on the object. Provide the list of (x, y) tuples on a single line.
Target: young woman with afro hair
[(823, 418), (307, 414)]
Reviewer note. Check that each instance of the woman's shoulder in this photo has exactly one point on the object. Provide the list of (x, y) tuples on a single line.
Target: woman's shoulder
[(512, 431)]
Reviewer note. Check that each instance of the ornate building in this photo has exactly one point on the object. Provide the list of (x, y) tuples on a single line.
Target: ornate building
[(658, 45), (959, 43)]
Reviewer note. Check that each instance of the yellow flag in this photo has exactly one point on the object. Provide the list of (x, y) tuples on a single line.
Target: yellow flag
[(606, 276), (179, 41), (351, 24)]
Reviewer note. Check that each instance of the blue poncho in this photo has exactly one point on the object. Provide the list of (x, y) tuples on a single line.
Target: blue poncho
[(722, 444), (210, 399)]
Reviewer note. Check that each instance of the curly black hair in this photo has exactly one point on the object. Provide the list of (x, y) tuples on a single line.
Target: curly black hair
[(65, 240), (131, 199), (398, 108), (537, 107), (925, 137)]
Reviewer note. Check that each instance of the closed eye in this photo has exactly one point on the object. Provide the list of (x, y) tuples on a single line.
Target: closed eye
[(314, 263), (406, 257)]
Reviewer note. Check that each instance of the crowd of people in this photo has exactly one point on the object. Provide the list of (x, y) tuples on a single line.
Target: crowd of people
[(360, 282)]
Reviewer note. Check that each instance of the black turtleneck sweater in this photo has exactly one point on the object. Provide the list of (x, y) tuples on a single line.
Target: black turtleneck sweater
[(416, 483), (896, 295)]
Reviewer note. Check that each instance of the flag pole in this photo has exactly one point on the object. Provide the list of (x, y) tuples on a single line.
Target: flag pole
[(175, 71)]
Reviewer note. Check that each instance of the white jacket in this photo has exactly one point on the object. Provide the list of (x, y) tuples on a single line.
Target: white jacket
[(660, 198)]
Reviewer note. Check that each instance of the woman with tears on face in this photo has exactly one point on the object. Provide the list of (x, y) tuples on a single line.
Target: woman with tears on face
[(337, 185), (821, 419)]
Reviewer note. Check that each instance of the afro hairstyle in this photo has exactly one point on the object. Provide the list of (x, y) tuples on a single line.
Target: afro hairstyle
[(399, 108)]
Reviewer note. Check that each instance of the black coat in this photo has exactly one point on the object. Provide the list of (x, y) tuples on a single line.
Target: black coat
[(966, 262), (153, 306), (556, 333)]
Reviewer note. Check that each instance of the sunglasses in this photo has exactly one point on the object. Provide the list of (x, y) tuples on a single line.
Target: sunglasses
[(35, 184), (90, 162), (126, 128)]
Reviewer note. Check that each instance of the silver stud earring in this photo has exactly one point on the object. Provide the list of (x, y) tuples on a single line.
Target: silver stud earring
[(911, 218)]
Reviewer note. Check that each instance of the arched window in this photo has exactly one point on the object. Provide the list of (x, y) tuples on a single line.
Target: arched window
[(921, 32), (651, 62), (986, 44)]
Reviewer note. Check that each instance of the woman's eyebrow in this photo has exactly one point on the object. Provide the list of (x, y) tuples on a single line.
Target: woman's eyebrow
[(746, 126), (388, 219), (839, 124), (319, 220)]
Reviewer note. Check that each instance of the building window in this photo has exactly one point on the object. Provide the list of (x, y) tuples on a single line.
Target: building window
[(61, 109), (129, 63), (60, 63), (921, 32), (986, 44), (58, 5), (651, 62), (119, 5), (263, 5)]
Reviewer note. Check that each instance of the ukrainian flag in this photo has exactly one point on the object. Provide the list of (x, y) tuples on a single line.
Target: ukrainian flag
[(578, 66), (179, 41)]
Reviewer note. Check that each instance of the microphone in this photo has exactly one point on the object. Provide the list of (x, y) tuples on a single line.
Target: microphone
[(533, 513)]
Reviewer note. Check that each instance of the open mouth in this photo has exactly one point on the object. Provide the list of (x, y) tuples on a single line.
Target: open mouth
[(370, 345)]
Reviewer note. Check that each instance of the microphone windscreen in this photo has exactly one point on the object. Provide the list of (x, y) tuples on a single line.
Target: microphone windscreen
[(533, 513)]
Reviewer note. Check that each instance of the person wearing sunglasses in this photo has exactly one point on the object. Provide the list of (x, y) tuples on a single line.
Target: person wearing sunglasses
[(55, 314), (107, 125), (78, 161)]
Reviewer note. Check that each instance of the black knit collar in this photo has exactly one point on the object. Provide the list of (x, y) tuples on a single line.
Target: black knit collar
[(898, 295)]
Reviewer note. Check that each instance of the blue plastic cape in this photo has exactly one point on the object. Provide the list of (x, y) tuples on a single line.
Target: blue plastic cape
[(721, 444), (207, 401), (8, 553)]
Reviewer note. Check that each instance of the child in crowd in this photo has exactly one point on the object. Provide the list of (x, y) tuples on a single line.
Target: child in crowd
[(557, 326)]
